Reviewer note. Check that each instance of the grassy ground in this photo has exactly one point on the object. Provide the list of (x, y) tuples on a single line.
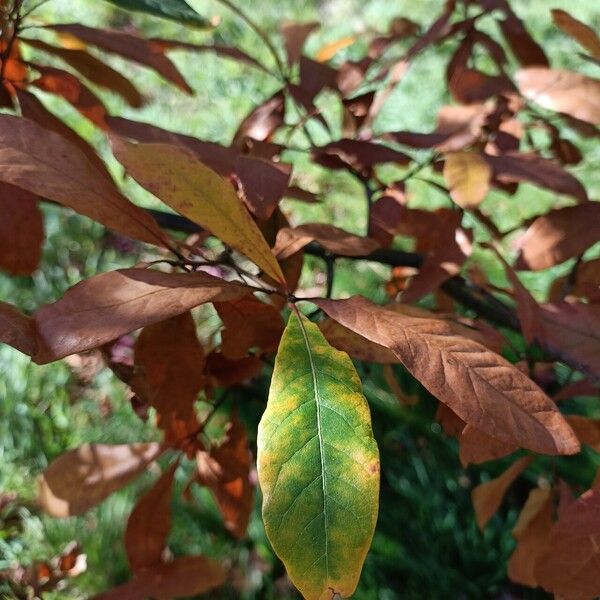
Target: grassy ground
[(427, 544)]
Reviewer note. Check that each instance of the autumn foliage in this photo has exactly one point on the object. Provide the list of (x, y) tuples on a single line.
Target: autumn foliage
[(487, 353)]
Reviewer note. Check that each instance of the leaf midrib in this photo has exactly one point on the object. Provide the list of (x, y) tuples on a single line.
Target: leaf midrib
[(313, 372)]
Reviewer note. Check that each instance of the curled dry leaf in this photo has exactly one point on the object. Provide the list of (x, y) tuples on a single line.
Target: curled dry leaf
[(488, 496), (179, 179), (185, 576), (44, 163), (336, 240), (149, 523), (467, 175), (559, 235), (569, 565), (82, 478), (21, 231), (478, 385), (104, 307), (563, 91)]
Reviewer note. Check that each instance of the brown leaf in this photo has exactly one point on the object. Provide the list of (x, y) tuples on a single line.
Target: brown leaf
[(67, 86), (336, 240), (470, 86), (488, 496), (294, 37), (21, 231), (128, 45), (104, 307), (478, 385), (170, 359), (531, 168), (569, 566), (531, 532), (477, 447), (262, 121), (585, 35), (467, 175), (82, 478), (559, 235), (44, 163), (226, 471), (586, 430), (249, 323), (93, 69), (224, 372), (149, 524), (563, 91), (17, 329), (358, 154), (185, 576), (315, 76)]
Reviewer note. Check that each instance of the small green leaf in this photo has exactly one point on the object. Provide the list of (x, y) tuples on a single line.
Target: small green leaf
[(176, 10), (318, 464)]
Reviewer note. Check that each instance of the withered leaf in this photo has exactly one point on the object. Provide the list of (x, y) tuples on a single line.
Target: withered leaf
[(477, 447), (223, 371), (149, 523), (336, 240), (104, 307), (82, 478), (185, 576), (478, 385), (21, 231), (559, 235), (563, 91), (17, 329), (488, 496), (44, 163), (584, 34)]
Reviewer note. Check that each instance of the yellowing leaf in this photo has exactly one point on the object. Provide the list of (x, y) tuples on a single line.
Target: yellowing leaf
[(468, 177), (480, 386), (488, 496), (318, 464), (180, 180), (328, 51), (81, 478)]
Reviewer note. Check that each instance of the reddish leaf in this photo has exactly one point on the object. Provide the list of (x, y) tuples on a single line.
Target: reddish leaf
[(93, 69), (67, 86), (171, 360), (17, 329), (263, 120), (563, 91), (128, 45), (21, 231), (569, 566), (294, 36), (477, 447), (315, 76), (585, 35), (488, 496), (224, 372), (226, 471), (109, 305), (531, 168), (531, 532), (185, 576), (559, 235), (44, 163), (334, 239), (478, 385), (358, 154), (249, 323), (82, 478), (470, 86), (149, 524)]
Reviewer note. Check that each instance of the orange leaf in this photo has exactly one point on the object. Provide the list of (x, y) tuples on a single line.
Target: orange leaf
[(82, 478), (328, 51), (488, 496), (104, 307), (480, 386), (149, 524), (21, 231), (44, 163)]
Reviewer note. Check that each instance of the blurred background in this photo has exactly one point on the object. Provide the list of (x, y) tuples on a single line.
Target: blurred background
[(427, 544)]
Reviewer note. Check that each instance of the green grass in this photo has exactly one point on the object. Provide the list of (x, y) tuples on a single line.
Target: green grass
[(427, 544)]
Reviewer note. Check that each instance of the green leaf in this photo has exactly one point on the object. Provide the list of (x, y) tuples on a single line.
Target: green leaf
[(176, 10), (318, 464)]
